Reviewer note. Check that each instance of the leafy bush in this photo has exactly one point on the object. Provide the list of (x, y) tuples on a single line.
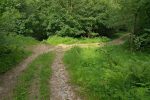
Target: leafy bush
[(68, 31), (142, 41), (41, 19)]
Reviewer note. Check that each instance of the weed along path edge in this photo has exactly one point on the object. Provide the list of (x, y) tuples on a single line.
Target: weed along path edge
[(9, 79)]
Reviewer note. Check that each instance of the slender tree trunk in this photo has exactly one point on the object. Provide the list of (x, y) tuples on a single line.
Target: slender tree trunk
[(133, 31), (135, 23)]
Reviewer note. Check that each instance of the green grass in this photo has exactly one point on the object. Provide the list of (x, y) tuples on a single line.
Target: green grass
[(55, 40), (38, 70), (18, 40), (12, 50), (8, 61), (109, 73)]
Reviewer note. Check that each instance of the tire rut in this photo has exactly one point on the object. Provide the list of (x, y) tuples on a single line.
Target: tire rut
[(9, 79)]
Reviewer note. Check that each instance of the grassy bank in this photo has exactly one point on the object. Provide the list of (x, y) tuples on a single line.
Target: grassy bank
[(12, 50), (109, 73), (40, 71), (55, 40)]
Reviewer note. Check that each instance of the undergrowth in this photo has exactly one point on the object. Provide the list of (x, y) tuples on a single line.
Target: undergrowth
[(109, 73), (12, 50)]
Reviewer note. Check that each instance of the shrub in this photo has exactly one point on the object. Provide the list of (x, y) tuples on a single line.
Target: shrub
[(142, 41)]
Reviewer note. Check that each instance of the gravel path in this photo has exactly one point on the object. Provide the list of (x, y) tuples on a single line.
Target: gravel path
[(60, 87)]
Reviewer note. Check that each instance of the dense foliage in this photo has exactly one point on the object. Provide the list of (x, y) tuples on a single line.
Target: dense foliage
[(42, 18), (73, 17), (76, 18), (109, 73), (135, 15)]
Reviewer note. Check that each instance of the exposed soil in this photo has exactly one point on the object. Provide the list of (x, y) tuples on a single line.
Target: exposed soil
[(118, 41), (66, 47), (60, 87)]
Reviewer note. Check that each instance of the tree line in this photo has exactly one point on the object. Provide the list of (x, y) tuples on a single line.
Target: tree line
[(77, 18)]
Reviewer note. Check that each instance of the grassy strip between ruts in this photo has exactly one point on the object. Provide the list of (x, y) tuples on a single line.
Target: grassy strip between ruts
[(39, 69), (55, 40), (109, 73)]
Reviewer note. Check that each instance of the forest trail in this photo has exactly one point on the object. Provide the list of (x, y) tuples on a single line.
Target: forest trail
[(120, 40), (61, 89), (9, 79)]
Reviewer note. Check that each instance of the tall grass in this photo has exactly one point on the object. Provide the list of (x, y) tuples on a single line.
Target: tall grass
[(9, 60), (12, 50), (55, 40), (109, 73)]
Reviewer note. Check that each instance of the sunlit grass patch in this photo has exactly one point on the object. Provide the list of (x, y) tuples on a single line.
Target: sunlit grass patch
[(55, 40)]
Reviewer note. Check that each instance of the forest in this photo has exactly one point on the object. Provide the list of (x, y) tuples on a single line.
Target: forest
[(74, 49)]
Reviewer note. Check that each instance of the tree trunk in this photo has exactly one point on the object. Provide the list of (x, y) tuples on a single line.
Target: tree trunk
[(134, 30)]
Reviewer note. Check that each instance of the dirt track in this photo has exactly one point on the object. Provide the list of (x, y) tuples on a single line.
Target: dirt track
[(60, 87), (59, 82), (9, 79)]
